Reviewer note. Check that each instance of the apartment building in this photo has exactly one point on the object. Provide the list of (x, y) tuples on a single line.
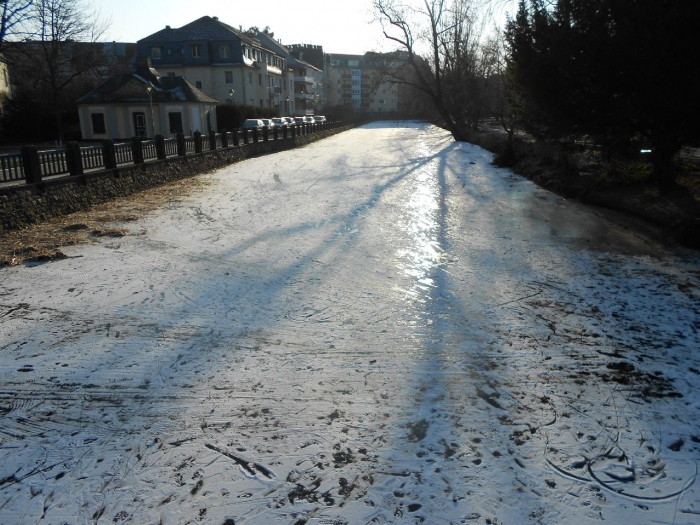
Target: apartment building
[(360, 81), (308, 79), (225, 63)]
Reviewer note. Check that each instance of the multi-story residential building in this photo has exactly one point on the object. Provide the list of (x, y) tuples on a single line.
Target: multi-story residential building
[(227, 64), (5, 87), (360, 81), (308, 79), (312, 54)]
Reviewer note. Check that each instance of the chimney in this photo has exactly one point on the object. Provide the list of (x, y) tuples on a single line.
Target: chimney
[(168, 27), (216, 18)]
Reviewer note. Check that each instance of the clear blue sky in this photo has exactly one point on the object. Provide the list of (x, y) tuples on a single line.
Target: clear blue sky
[(340, 26)]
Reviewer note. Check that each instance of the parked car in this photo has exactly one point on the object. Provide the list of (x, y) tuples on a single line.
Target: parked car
[(279, 123), (319, 118), (252, 123), (307, 119), (290, 120)]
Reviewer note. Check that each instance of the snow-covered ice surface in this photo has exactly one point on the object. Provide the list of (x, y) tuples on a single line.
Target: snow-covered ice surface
[(377, 328)]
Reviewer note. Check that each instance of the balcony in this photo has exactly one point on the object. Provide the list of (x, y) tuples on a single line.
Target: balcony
[(305, 96), (305, 80)]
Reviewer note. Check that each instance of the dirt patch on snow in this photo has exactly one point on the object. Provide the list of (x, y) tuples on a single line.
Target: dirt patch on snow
[(42, 242)]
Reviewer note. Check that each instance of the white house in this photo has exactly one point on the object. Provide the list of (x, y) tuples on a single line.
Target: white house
[(145, 104)]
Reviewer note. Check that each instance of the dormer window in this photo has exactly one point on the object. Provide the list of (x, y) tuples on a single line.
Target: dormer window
[(156, 53), (196, 50), (223, 51)]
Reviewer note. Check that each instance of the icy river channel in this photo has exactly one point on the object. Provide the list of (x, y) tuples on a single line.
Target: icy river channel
[(380, 327)]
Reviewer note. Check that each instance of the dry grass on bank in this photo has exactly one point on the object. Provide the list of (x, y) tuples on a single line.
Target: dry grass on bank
[(43, 241)]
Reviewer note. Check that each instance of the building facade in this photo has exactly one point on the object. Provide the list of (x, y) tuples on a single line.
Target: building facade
[(307, 79), (5, 86), (360, 81), (145, 104), (225, 63)]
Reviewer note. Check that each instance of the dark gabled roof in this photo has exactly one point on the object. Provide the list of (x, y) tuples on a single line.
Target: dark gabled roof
[(182, 85), (168, 89), (205, 28)]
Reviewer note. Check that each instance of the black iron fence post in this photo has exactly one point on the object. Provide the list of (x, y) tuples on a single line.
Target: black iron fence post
[(75, 163), (31, 164), (266, 134), (108, 154), (137, 150), (246, 138), (275, 133), (224, 138), (212, 139), (255, 135), (197, 142), (294, 130), (181, 146), (160, 147)]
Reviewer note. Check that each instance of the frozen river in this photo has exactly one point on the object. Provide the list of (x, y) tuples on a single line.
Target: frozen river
[(380, 327)]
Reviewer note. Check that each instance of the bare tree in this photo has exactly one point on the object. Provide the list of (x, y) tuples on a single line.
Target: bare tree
[(441, 45), (61, 44), (12, 14), (498, 99)]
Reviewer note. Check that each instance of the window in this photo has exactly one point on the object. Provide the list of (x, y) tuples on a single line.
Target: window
[(156, 53), (381, 101), (260, 79), (355, 82), (355, 91), (98, 122), (175, 120), (223, 51), (140, 129), (355, 72), (228, 77), (196, 50), (250, 78), (198, 83), (261, 102), (335, 62)]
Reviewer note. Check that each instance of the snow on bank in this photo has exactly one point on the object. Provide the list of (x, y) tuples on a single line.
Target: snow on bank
[(378, 328)]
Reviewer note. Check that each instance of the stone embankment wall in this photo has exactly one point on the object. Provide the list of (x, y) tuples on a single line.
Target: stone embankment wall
[(27, 204)]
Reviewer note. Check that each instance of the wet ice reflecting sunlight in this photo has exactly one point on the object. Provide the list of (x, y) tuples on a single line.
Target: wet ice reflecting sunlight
[(420, 222)]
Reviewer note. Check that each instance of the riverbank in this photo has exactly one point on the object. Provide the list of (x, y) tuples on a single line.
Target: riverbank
[(675, 210)]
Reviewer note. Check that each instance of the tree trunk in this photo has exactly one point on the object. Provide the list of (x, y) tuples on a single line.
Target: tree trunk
[(663, 149)]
